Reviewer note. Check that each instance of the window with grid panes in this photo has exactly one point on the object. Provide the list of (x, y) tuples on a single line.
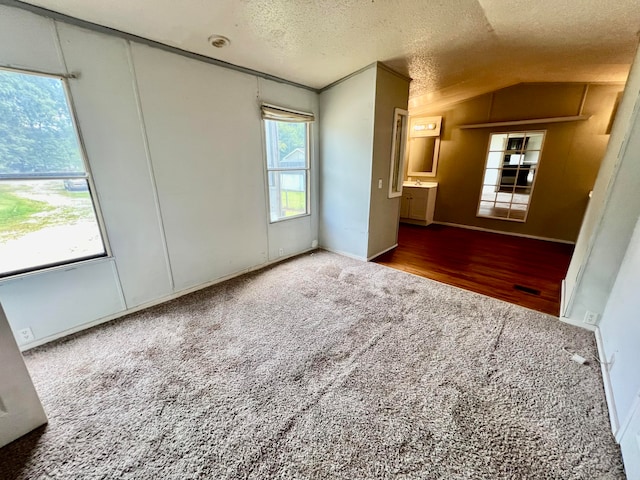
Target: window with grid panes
[(509, 177)]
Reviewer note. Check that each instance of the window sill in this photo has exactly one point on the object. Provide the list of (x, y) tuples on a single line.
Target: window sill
[(273, 222), (72, 265), (517, 220)]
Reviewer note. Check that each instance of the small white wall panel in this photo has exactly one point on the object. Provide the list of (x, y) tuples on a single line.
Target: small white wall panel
[(28, 41), (109, 119), (57, 300), (292, 236), (203, 126)]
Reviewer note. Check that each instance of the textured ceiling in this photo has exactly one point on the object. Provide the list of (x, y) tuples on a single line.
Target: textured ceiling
[(451, 48)]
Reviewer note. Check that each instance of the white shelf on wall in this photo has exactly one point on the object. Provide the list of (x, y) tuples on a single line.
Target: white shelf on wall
[(533, 121)]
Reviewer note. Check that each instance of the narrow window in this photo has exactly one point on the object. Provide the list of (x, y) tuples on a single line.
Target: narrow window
[(47, 213), (510, 173), (287, 154)]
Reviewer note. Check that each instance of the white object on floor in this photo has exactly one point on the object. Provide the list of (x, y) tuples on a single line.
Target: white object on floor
[(20, 407), (578, 359)]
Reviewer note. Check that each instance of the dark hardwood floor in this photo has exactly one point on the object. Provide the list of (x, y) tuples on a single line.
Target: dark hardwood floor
[(519, 270)]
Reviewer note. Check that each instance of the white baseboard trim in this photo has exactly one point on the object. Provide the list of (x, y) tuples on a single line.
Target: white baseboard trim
[(635, 407), (344, 254), (153, 303), (562, 297), (410, 221), (578, 323), (513, 234), (608, 388), (382, 252)]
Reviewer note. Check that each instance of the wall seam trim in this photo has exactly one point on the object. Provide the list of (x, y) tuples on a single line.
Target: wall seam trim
[(147, 152), (95, 196)]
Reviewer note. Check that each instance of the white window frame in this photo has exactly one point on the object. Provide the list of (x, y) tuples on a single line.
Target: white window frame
[(500, 169), (64, 79), (280, 114)]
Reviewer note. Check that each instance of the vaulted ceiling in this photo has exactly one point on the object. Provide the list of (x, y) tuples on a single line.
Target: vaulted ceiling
[(450, 48)]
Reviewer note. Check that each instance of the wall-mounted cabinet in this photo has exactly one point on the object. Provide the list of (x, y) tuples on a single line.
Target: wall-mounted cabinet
[(418, 203)]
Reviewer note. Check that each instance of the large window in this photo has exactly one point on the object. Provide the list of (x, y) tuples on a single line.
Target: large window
[(47, 215), (287, 152), (510, 174)]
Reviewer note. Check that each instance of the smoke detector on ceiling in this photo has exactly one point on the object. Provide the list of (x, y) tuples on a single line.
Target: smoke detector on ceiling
[(219, 41)]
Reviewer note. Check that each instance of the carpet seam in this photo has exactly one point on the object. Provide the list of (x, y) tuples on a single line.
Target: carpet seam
[(315, 399)]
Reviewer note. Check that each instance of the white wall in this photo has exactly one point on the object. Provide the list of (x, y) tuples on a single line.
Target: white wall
[(620, 341), (107, 109), (175, 148), (346, 149), (204, 137), (605, 272), (611, 214), (620, 330), (392, 91)]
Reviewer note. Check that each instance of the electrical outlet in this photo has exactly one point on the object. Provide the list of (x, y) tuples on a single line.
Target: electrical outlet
[(314, 244), (379, 183), (591, 318), (281, 252), (26, 335)]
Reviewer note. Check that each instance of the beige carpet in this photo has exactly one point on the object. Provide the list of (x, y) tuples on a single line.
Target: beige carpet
[(320, 367)]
